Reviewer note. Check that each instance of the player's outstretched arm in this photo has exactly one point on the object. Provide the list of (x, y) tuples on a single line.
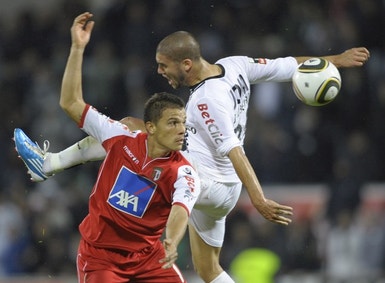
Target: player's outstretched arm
[(175, 229), (71, 95), (269, 209), (353, 57)]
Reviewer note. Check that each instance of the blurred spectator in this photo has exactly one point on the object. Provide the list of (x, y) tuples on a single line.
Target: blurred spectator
[(342, 262), (12, 236), (301, 249), (372, 247)]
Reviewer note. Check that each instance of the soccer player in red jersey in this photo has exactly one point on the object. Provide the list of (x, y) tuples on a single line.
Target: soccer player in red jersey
[(144, 187)]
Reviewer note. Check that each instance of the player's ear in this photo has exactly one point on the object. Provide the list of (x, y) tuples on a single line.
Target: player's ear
[(150, 128), (187, 64)]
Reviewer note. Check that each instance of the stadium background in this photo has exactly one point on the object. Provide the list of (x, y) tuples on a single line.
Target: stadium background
[(327, 162)]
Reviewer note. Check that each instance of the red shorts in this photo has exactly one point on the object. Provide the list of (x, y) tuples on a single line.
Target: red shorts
[(99, 265)]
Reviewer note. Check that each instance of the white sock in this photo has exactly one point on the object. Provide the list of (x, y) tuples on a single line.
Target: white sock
[(223, 278), (88, 149)]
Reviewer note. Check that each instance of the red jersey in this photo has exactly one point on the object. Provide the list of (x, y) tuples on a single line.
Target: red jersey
[(132, 197)]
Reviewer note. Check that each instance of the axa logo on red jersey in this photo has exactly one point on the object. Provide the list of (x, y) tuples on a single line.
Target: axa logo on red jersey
[(210, 123)]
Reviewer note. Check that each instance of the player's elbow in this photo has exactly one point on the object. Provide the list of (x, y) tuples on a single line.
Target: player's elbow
[(73, 109)]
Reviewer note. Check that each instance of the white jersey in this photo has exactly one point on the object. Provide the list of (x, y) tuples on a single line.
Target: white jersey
[(217, 111)]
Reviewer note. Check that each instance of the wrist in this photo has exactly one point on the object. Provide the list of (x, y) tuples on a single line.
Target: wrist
[(77, 48)]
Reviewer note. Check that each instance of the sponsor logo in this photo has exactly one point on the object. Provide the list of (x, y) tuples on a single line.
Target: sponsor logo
[(259, 60), (190, 183), (188, 195), (187, 170), (131, 193), (190, 129), (130, 154), (210, 123)]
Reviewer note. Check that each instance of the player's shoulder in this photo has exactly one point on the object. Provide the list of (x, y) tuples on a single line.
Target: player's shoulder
[(180, 163), (133, 142), (138, 137), (233, 60), (178, 158), (240, 65)]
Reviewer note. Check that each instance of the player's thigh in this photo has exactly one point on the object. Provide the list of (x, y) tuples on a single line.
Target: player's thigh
[(217, 199), (99, 274), (96, 265), (208, 217), (151, 271), (204, 256), (199, 248), (168, 275)]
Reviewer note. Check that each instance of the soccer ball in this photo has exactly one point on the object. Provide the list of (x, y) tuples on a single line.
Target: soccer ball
[(316, 82)]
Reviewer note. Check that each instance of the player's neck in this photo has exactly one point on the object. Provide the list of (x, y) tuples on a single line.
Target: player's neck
[(156, 151), (204, 70)]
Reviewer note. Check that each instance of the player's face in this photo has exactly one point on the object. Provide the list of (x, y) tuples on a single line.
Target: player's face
[(172, 71), (169, 131)]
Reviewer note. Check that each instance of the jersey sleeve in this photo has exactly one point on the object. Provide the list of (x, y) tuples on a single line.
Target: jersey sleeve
[(187, 188), (270, 70), (102, 127)]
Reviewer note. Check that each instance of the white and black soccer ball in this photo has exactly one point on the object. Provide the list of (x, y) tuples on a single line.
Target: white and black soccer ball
[(316, 82)]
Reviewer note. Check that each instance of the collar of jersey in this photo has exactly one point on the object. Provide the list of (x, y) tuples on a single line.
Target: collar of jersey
[(198, 85)]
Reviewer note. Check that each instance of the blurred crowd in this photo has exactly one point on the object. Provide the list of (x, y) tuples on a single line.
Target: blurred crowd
[(340, 144)]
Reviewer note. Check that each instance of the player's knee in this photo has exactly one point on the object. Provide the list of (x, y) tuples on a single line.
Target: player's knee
[(207, 270)]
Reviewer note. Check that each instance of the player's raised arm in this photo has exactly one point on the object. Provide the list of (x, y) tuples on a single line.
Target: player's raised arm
[(71, 98), (353, 57)]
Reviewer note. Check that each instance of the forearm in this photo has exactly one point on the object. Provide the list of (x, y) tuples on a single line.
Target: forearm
[(354, 57), (331, 58), (176, 224), (71, 98), (247, 175), (175, 230), (269, 209), (335, 60)]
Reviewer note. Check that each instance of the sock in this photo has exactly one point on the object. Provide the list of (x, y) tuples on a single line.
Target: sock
[(223, 278), (85, 150)]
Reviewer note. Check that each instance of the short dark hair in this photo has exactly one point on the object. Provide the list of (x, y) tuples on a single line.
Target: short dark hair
[(178, 46), (158, 102)]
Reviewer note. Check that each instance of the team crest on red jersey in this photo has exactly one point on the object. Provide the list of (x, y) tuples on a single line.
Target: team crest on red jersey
[(156, 173)]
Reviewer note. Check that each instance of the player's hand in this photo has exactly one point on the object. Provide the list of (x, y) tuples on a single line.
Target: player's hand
[(171, 254), (275, 212), (354, 57), (81, 30)]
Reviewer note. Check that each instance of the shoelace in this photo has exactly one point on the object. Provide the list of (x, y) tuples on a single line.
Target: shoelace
[(38, 150), (45, 146)]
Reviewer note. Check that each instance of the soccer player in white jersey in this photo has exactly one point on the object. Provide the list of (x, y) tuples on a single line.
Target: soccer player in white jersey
[(216, 120)]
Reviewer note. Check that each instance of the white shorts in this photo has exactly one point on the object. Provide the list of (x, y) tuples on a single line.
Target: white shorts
[(214, 203)]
